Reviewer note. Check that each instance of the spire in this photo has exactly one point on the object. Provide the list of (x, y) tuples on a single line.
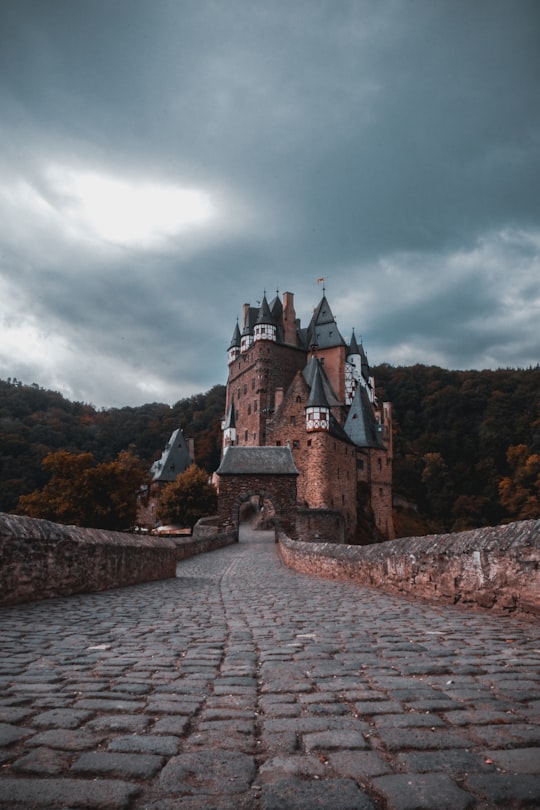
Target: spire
[(234, 345), (353, 346), (265, 325), (265, 316), (229, 427), (236, 338), (323, 331), (317, 407), (317, 397)]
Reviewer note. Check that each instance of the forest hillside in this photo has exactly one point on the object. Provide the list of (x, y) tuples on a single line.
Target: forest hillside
[(466, 443)]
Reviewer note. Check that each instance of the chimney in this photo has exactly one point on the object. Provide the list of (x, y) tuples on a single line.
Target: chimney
[(245, 311), (289, 319), (278, 397)]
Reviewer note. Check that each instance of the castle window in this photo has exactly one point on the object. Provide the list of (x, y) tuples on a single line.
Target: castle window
[(278, 444), (253, 384), (246, 434), (381, 492), (343, 500), (249, 410), (255, 405), (309, 442), (379, 464), (299, 398), (245, 388), (360, 464), (296, 444), (293, 420), (254, 437)]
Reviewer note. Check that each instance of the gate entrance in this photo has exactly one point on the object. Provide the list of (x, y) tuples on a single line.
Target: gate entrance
[(250, 475)]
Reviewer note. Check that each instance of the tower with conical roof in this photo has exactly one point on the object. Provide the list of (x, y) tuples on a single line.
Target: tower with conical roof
[(309, 389)]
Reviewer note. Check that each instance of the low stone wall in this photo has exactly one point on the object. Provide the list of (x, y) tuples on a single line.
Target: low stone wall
[(323, 525), (494, 567), (206, 537), (40, 559)]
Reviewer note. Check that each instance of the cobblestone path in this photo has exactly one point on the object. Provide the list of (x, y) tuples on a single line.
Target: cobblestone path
[(242, 685)]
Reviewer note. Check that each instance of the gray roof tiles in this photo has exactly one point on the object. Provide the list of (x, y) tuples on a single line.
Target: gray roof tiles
[(257, 461)]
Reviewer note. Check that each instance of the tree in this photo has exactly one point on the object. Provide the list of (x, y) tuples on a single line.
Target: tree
[(520, 491), (187, 499), (79, 492)]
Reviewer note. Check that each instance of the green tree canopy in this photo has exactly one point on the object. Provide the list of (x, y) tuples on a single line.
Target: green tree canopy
[(187, 499)]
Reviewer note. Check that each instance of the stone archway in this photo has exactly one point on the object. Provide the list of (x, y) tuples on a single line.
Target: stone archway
[(265, 471)]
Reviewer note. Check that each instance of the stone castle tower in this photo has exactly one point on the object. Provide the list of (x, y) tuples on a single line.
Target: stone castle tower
[(307, 389)]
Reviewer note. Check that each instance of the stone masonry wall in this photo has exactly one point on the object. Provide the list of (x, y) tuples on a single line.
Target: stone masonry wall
[(40, 559), (494, 567)]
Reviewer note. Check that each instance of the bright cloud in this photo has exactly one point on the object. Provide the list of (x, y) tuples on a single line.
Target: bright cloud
[(127, 212)]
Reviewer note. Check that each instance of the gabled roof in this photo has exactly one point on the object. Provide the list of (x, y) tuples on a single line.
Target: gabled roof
[(276, 308), (251, 319), (322, 330), (174, 459), (361, 425), (257, 461), (309, 377)]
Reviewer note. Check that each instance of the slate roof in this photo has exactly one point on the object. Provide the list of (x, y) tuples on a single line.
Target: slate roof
[(235, 340), (361, 425), (322, 330), (174, 459), (317, 396), (309, 377), (257, 461)]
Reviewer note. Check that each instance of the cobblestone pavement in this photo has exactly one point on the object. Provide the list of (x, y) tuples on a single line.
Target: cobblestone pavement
[(242, 685)]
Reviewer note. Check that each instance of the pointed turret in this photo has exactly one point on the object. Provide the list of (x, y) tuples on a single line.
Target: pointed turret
[(234, 346), (317, 407), (361, 426), (323, 331), (353, 349), (265, 325), (229, 427)]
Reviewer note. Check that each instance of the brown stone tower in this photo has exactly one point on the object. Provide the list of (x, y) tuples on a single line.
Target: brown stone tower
[(308, 389)]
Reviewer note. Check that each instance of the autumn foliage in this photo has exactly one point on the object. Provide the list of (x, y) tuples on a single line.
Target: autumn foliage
[(82, 493), (184, 501)]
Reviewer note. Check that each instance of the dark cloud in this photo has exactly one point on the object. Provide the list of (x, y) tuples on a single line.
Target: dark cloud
[(392, 148)]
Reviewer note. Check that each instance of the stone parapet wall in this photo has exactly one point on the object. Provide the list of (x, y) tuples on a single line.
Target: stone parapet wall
[(494, 567), (323, 525), (40, 559), (206, 537)]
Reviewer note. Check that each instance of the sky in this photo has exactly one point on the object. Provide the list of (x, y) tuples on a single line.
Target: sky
[(164, 161)]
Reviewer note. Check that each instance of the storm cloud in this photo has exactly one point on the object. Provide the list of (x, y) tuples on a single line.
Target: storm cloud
[(161, 163)]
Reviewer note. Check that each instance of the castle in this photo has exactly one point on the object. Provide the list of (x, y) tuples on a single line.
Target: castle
[(310, 390)]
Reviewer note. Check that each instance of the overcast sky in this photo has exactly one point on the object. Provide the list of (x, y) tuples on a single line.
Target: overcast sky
[(164, 161)]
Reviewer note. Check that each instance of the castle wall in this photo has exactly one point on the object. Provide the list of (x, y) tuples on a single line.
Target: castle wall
[(40, 559), (253, 379), (279, 489), (495, 567)]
